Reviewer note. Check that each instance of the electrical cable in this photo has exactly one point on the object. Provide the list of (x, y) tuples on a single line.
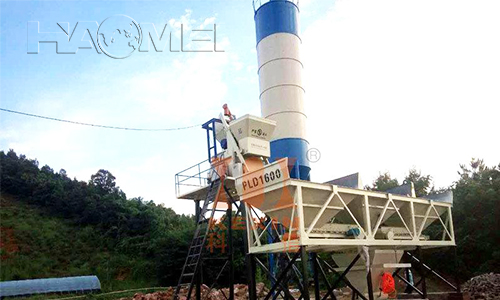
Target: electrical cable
[(97, 125)]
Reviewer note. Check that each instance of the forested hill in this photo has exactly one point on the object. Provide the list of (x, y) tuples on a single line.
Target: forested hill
[(52, 225), (56, 226)]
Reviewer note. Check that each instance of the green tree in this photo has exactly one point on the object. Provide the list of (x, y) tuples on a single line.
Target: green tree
[(148, 241), (383, 182), (421, 183), (105, 181), (476, 215)]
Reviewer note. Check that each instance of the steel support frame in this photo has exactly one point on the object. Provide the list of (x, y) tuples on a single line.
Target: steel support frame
[(250, 259), (252, 240), (408, 284), (341, 278), (302, 278), (319, 270), (281, 279), (283, 286), (424, 271), (280, 285), (230, 256), (211, 139)]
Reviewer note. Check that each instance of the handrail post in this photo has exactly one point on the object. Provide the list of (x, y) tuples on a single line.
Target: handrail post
[(199, 172)]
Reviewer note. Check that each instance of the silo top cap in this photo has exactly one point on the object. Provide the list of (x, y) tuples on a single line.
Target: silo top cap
[(276, 16), (258, 3)]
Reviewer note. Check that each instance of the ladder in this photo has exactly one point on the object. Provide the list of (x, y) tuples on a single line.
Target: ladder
[(192, 264)]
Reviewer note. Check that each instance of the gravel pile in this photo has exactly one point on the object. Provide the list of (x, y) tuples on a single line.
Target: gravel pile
[(486, 286), (240, 293)]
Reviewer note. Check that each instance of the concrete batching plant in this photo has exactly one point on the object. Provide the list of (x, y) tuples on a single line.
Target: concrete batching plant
[(263, 171)]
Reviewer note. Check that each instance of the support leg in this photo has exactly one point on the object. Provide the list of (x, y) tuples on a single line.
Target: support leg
[(283, 275), (357, 293), (341, 278), (409, 278), (229, 215), (457, 280), (370, 284), (325, 279), (198, 276), (249, 261), (315, 275), (428, 271), (409, 285), (422, 271), (251, 268), (283, 286), (305, 272)]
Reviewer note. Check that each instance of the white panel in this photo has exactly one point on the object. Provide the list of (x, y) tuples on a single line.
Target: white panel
[(251, 126), (281, 99), (280, 72), (289, 125), (280, 79), (278, 45)]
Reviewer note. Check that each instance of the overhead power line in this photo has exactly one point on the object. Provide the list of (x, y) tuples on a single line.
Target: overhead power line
[(97, 125)]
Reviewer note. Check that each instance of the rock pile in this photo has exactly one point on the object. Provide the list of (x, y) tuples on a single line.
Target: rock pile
[(163, 295), (240, 293), (486, 286)]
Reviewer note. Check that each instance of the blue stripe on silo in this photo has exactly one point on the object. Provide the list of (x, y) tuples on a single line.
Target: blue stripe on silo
[(276, 16), (294, 149)]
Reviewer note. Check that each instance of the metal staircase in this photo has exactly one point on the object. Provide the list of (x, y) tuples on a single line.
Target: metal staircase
[(192, 264)]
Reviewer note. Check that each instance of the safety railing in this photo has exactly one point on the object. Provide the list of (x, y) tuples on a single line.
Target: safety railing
[(192, 178)]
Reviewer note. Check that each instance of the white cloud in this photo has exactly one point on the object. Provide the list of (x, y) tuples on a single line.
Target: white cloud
[(185, 89), (395, 84), (193, 83), (152, 179), (305, 4), (208, 21), (185, 21)]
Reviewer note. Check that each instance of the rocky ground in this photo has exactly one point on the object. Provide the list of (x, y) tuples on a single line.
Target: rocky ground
[(486, 286), (240, 292)]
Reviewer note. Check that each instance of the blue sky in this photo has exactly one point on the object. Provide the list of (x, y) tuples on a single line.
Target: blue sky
[(389, 85)]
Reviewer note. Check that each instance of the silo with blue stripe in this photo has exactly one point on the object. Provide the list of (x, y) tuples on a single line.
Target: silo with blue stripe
[(280, 79)]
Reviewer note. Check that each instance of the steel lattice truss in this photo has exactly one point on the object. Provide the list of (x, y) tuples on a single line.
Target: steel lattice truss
[(327, 217)]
